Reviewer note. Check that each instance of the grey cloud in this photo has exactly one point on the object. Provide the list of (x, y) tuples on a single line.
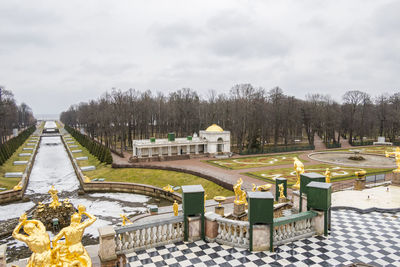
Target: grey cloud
[(175, 34)]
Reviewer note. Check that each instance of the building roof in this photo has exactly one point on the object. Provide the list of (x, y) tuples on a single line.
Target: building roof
[(214, 128)]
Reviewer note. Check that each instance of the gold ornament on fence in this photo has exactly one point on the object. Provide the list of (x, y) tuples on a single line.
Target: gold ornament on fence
[(396, 155), (125, 220)]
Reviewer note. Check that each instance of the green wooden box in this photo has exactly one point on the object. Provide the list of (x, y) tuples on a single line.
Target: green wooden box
[(261, 207), (171, 137), (152, 139), (306, 178), (189, 138), (193, 204), (319, 196), (279, 181)]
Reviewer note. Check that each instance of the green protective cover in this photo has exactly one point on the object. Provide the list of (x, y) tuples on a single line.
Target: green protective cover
[(260, 207), (193, 204), (319, 196), (153, 139), (171, 137), (306, 178), (279, 181), (189, 138)]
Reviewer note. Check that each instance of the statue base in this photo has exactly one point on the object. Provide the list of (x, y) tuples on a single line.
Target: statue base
[(220, 210), (282, 200), (359, 184), (239, 210)]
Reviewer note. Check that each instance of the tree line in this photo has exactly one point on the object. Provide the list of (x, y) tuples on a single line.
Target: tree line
[(256, 117), (8, 148), (13, 116)]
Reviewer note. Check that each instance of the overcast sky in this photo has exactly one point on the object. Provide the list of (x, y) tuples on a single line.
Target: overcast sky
[(57, 53)]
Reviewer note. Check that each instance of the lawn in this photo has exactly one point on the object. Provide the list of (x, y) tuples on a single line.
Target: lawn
[(8, 166), (338, 173), (254, 162), (159, 178), (378, 150)]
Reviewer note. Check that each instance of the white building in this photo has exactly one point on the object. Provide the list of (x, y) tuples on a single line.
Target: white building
[(214, 140)]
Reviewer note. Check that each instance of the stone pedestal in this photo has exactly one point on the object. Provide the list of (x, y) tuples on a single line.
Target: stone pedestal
[(211, 226), (194, 233), (319, 223), (282, 200), (359, 184), (107, 243), (220, 210), (296, 201), (261, 237), (239, 209)]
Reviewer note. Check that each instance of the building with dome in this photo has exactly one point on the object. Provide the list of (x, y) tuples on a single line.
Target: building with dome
[(212, 141)]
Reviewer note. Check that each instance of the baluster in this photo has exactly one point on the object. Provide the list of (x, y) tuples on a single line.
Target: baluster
[(234, 237), (130, 245), (135, 238), (118, 242), (175, 230), (241, 241), (219, 236), (143, 237), (146, 236), (164, 232), (226, 237), (247, 240), (308, 225), (293, 230)]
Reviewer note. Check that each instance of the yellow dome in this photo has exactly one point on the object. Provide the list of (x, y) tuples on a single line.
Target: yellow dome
[(214, 128)]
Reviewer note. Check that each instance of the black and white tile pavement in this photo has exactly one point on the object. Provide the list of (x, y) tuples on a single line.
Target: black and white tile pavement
[(372, 238)]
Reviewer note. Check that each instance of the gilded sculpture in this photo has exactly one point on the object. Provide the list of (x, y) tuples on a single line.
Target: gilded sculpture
[(175, 207), (240, 195), (37, 240), (327, 175), (168, 188), (72, 252), (299, 168), (281, 189), (125, 220), (54, 203), (263, 188), (18, 186), (396, 155)]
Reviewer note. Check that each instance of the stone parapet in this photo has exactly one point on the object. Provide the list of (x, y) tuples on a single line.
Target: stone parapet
[(107, 243)]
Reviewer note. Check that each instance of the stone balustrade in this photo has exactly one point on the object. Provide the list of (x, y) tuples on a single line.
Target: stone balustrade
[(146, 235), (294, 227), (233, 233)]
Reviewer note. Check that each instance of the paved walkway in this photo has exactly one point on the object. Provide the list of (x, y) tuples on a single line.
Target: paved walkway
[(372, 238)]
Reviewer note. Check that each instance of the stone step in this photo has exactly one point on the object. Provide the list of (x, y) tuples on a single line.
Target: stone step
[(71, 142), (20, 162), (73, 146), (13, 174), (25, 154), (76, 151), (88, 168), (28, 148), (81, 158)]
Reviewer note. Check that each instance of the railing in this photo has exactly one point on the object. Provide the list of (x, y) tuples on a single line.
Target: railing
[(294, 227), (233, 233), (146, 235)]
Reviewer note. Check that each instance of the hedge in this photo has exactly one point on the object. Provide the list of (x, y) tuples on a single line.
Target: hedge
[(333, 145), (101, 152), (8, 148), (362, 143)]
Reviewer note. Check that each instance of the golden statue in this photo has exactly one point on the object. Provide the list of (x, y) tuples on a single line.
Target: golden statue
[(66, 203), (18, 186), (175, 207), (262, 188), (168, 188), (360, 174), (396, 155), (299, 168), (55, 203), (72, 252), (125, 220), (40, 207), (327, 175), (37, 240), (240, 195), (281, 189)]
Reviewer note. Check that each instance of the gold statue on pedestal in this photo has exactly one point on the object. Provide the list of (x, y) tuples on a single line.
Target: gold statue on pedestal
[(262, 188), (37, 240), (175, 207), (327, 175), (72, 252), (54, 203), (125, 220), (281, 189), (299, 168), (168, 188), (396, 155), (240, 195), (87, 179)]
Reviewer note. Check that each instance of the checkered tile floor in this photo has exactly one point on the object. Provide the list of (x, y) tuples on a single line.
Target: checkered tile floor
[(372, 238)]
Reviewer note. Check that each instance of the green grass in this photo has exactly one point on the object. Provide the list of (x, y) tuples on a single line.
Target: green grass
[(338, 173), (378, 150), (255, 161), (8, 166), (158, 178)]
